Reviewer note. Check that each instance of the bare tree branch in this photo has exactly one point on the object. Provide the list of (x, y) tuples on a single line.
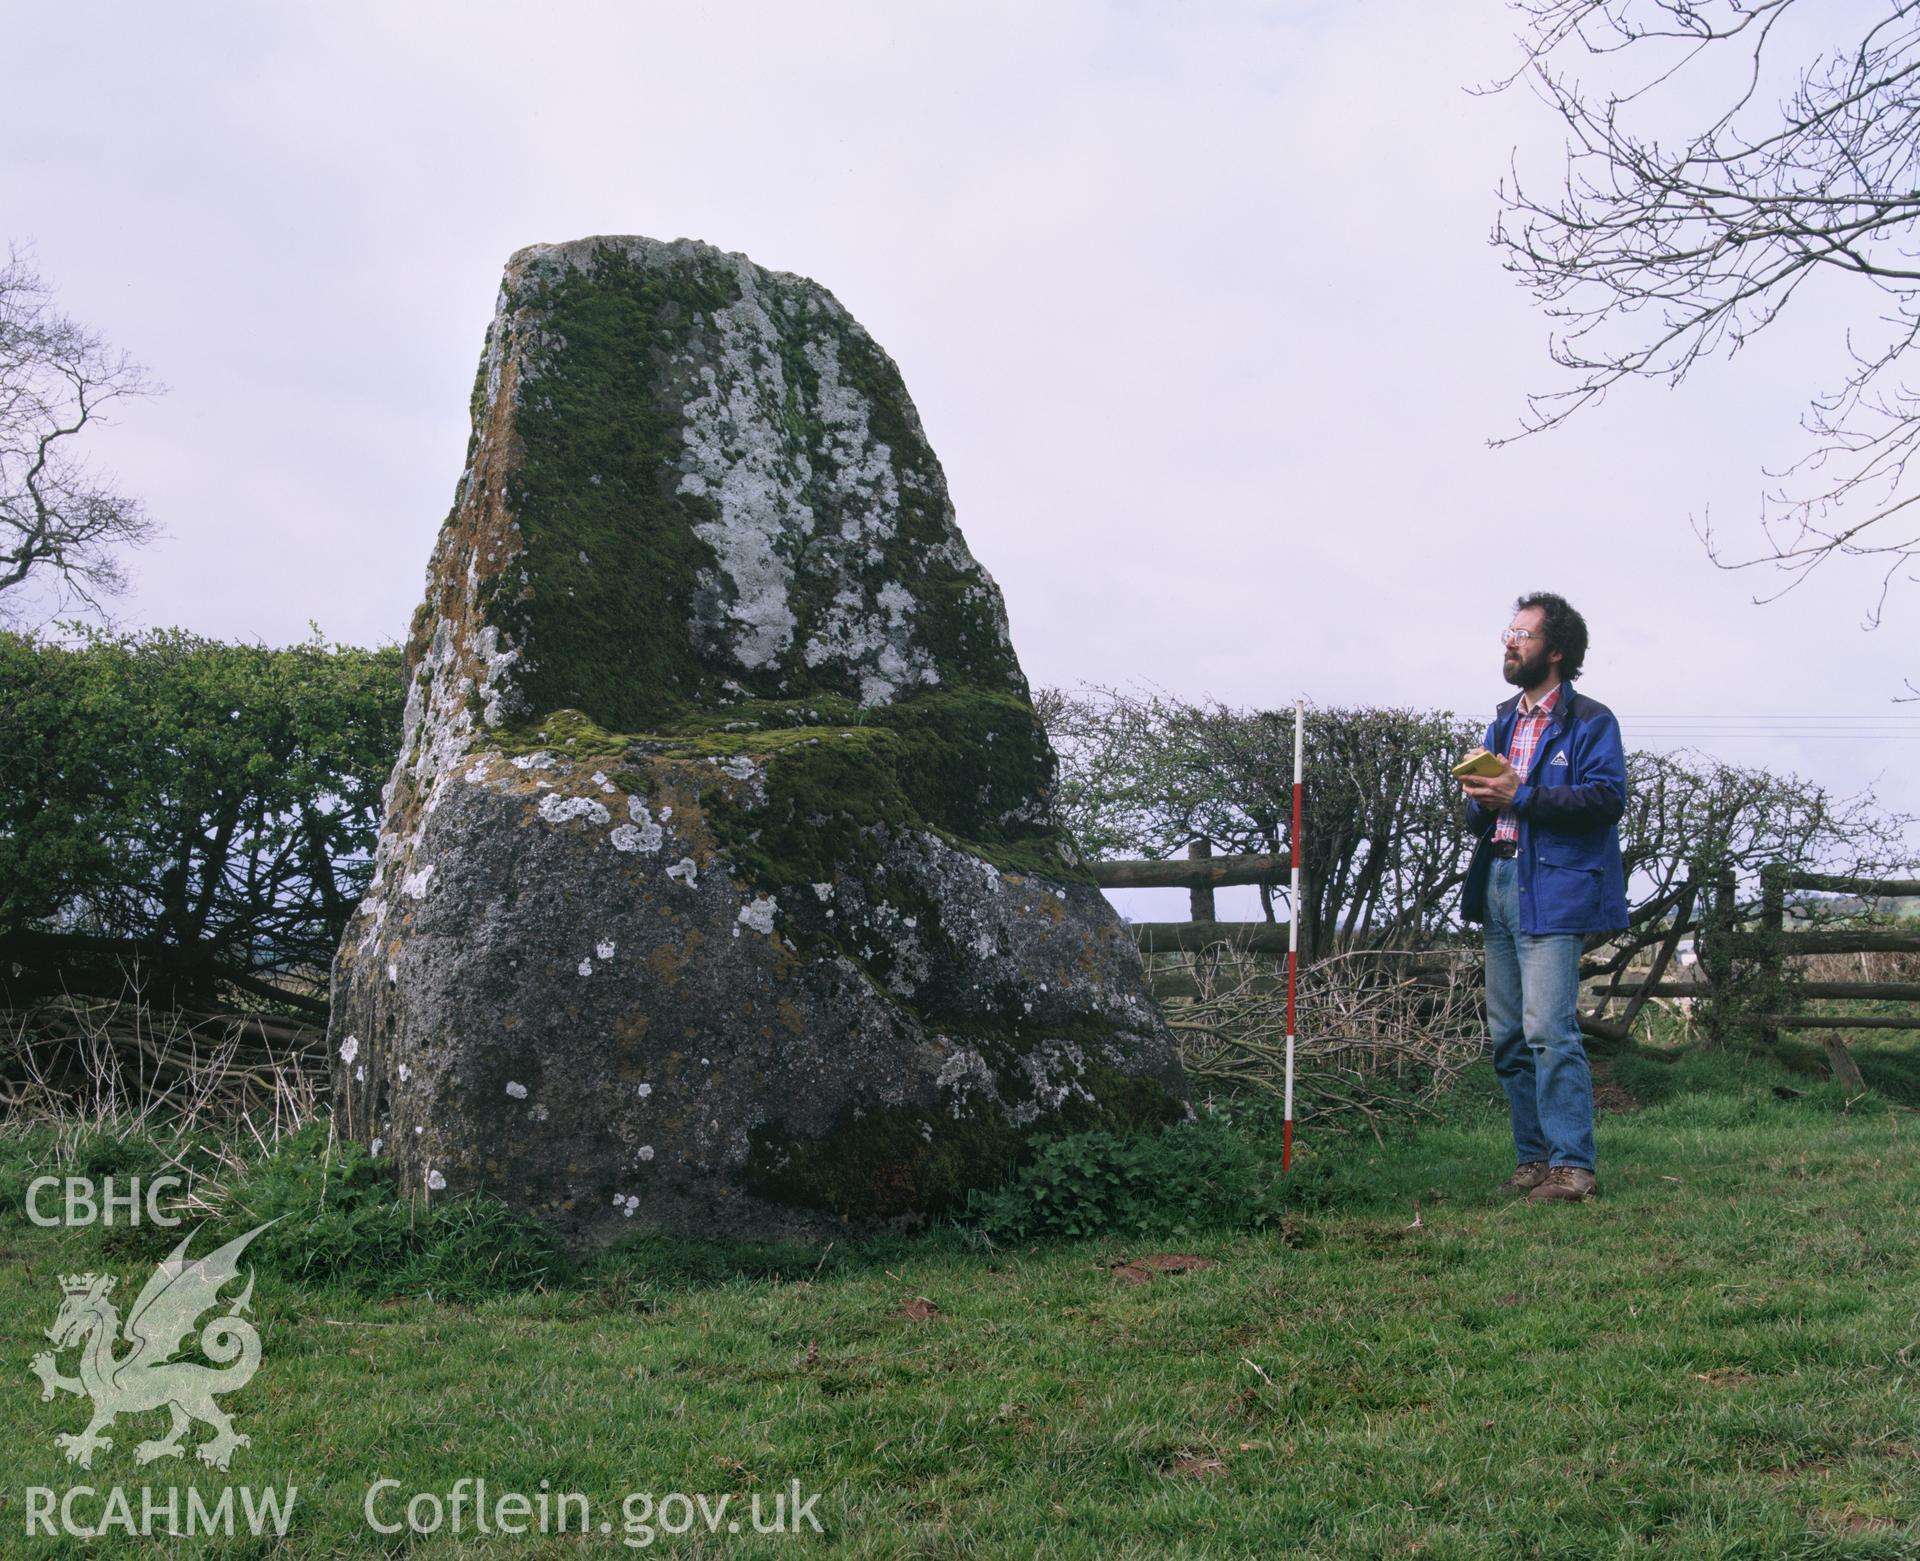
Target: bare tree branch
[(61, 524), (1651, 256)]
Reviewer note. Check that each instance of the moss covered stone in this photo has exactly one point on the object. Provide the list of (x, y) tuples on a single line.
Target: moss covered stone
[(720, 886)]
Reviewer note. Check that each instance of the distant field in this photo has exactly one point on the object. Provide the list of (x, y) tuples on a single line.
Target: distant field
[(1720, 1357)]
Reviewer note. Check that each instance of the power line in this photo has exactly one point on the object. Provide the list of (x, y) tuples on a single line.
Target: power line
[(1775, 728), (1775, 715)]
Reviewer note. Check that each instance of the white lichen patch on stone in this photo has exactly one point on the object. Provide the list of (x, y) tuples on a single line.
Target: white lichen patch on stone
[(374, 910), (685, 870), (910, 965), (487, 648), (393, 974), (739, 458), (758, 914), (376, 1146), (405, 1073), (559, 810), (534, 761), (883, 650), (604, 949), (876, 640), (414, 885), (350, 1049), (436, 1181), (646, 1151), (963, 1072), (643, 834), (477, 771), (586, 967), (1055, 1070), (516, 1089), (643, 1090), (824, 891)]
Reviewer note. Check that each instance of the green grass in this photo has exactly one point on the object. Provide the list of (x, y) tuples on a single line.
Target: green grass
[(1720, 1357)]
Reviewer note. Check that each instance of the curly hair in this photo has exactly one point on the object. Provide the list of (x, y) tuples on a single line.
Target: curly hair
[(1566, 630)]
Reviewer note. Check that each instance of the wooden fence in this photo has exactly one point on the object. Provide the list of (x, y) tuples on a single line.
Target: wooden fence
[(1200, 873), (1723, 940)]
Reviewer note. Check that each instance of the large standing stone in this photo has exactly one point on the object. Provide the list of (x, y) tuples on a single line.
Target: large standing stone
[(718, 889)]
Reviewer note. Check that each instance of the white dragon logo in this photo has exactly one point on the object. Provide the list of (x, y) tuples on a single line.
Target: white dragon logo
[(146, 1377)]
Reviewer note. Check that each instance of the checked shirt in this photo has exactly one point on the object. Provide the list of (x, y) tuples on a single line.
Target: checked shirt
[(1528, 728)]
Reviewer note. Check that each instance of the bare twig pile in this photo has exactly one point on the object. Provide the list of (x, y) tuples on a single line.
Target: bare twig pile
[(1375, 1031), (94, 1061)]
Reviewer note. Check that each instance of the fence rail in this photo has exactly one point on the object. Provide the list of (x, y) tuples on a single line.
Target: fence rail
[(1199, 872), (1723, 940), (1779, 944), (1882, 991), (1189, 937)]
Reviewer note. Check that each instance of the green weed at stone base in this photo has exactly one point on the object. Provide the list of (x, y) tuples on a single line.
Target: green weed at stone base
[(331, 1214), (885, 1162)]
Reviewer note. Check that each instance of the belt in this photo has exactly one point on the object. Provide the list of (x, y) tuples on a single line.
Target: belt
[(1504, 847)]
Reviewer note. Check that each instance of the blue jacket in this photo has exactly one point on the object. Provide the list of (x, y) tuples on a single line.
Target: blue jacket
[(1571, 875)]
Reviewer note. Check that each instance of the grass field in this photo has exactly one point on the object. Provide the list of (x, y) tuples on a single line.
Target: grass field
[(1719, 1357)]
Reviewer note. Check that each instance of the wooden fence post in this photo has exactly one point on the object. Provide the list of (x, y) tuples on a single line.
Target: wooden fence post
[(1773, 917), (1200, 900), (1716, 953)]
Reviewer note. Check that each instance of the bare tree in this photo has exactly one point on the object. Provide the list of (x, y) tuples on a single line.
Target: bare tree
[(1385, 839), (1802, 161), (61, 524)]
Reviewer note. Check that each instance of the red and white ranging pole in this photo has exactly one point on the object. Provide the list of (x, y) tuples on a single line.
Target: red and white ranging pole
[(1293, 940)]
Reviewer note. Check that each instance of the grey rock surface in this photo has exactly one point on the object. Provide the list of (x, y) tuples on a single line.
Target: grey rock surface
[(718, 890)]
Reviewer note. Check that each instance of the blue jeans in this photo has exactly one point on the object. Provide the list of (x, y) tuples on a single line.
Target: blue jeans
[(1533, 992)]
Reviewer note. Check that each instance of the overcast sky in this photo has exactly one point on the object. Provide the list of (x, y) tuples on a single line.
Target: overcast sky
[(1196, 303)]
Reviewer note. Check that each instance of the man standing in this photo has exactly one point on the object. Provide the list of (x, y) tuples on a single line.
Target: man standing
[(1546, 871)]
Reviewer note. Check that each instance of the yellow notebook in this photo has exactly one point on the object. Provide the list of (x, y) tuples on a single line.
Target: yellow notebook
[(1479, 764)]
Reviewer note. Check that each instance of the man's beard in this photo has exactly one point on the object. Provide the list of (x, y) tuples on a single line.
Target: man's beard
[(1528, 671)]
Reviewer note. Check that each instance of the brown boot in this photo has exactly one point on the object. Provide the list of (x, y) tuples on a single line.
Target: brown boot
[(1565, 1184), (1526, 1177)]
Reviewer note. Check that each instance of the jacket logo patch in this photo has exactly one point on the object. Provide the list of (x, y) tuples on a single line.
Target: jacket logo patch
[(1558, 758)]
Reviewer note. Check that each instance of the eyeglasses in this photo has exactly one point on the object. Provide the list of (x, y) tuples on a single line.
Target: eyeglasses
[(1517, 636)]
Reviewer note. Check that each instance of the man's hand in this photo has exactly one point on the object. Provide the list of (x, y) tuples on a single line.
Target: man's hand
[(1492, 792)]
